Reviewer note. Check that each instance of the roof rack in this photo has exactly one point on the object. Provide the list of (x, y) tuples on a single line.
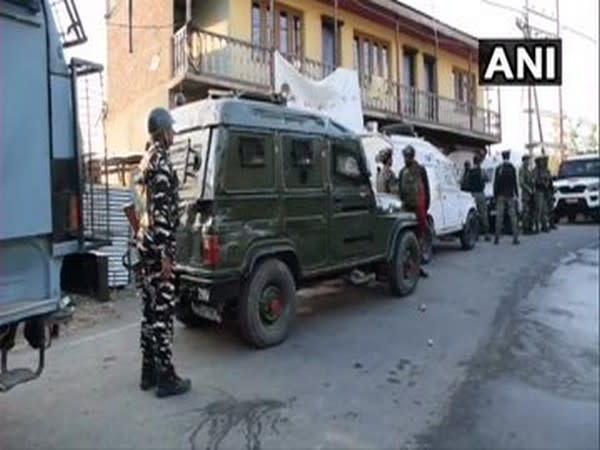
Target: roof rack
[(247, 95)]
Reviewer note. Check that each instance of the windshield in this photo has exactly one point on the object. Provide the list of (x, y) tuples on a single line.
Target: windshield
[(580, 168), (191, 161)]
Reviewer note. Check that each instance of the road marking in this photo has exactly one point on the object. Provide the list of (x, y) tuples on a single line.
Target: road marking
[(101, 335)]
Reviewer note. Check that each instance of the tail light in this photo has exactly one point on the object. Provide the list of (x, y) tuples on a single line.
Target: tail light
[(211, 250), (74, 213)]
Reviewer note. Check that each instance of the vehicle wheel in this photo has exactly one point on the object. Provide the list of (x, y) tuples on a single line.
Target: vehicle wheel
[(572, 217), (405, 265), (469, 233), (268, 306), (185, 314), (427, 250)]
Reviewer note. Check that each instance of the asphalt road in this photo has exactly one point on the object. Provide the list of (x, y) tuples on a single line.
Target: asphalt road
[(504, 356)]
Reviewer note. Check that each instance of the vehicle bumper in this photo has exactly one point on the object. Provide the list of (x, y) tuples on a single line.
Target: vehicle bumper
[(208, 294), (586, 203)]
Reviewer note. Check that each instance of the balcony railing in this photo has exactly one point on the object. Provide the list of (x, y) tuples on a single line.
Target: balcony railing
[(233, 62)]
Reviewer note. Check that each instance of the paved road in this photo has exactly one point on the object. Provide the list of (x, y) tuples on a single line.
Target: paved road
[(514, 363)]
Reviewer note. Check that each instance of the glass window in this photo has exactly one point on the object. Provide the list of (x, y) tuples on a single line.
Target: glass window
[(366, 57), (297, 36), (385, 61), (283, 32), (256, 24), (346, 163), (356, 50), (251, 167), (580, 168), (32, 5), (302, 162)]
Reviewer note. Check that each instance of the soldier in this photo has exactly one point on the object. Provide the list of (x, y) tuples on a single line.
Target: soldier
[(526, 183), (386, 179), (413, 186), (475, 184), (549, 194), (541, 183), (464, 181), (505, 193), (158, 218)]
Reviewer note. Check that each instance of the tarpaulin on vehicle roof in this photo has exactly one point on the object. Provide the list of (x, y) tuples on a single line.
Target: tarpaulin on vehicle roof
[(336, 96)]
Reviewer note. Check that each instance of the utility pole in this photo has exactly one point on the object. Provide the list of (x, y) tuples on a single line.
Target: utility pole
[(529, 105), (560, 99)]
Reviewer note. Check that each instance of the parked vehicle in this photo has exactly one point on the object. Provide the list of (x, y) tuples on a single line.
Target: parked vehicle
[(577, 187), (275, 199), (42, 185), (452, 213)]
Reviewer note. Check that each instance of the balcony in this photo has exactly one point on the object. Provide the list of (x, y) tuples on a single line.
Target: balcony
[(235, 64)]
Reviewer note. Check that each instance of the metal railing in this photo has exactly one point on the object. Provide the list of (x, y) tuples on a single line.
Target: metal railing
[(234, 61)]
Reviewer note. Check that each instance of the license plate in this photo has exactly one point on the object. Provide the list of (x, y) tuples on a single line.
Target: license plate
[(572, 201)]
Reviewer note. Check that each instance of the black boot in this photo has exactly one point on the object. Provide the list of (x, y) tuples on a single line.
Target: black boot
[(423, 273), (170, 384), (149, 375)]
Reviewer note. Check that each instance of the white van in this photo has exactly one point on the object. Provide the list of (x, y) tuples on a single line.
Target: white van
[(452, 213)]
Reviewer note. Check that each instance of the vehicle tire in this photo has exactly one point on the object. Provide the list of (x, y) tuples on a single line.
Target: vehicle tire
[(572, 217), (469, 233), (268, 305), (405, 265), (186, 315), (427, 250)]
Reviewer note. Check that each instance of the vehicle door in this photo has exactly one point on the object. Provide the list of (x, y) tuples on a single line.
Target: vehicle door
[(435, 192), (352, 202), (452, 206), (305, 197)]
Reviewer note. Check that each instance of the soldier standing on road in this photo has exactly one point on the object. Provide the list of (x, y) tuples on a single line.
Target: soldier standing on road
[(541, 182), (157, 186), (549, 194), (527, 185), (505, 193), (475, 184), (414, 193), (386, 179)]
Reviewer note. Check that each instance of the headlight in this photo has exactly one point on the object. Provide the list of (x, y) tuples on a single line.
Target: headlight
[(594, 187)]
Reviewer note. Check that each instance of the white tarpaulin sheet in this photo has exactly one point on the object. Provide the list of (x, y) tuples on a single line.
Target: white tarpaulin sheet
[(336, 96)]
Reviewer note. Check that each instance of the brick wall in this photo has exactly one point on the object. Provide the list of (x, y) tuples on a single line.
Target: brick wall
[(137, 81)]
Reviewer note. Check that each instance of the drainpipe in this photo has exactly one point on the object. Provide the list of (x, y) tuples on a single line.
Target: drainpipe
[(272, 50), (335, 34), (398, 62)]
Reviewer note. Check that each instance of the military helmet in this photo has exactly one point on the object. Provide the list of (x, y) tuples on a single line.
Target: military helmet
[(159, 119), (384, 155), (525, 158), (505, 154), (409, 150)]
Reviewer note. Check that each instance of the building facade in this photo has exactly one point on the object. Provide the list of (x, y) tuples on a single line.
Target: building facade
[(411, 67)]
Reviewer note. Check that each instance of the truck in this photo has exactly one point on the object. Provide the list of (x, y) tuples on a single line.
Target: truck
[(577, 187), (46, 191)]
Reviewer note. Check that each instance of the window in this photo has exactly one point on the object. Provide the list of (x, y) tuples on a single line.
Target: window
[(252, 152), (346, 162), (464, 87), (287, 27), (302, 162), (249, 163), (372, 56), (32, 5), (409, 67)]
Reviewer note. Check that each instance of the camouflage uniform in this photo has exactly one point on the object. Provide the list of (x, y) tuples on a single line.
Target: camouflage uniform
[(541, 180), (549, 194), (505, 193), (386, 180), (527, 185), (156, 240)]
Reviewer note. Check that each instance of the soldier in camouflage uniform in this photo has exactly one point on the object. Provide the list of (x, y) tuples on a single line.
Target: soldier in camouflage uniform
[(386, 179), (505, 193), (527, 185), (540, 176), (157, 186), (549, 194), (475, 184)]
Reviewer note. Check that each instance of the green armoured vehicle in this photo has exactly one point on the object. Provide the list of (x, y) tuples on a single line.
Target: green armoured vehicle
[(274, 199)]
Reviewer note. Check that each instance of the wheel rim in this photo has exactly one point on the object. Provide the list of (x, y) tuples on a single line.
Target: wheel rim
[(271, 305), (410, 264)]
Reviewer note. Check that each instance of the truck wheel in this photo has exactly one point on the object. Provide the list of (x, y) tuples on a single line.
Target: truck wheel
[(186, 315), (469, 233), (268, 305), (405, 265), (427, 250)]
